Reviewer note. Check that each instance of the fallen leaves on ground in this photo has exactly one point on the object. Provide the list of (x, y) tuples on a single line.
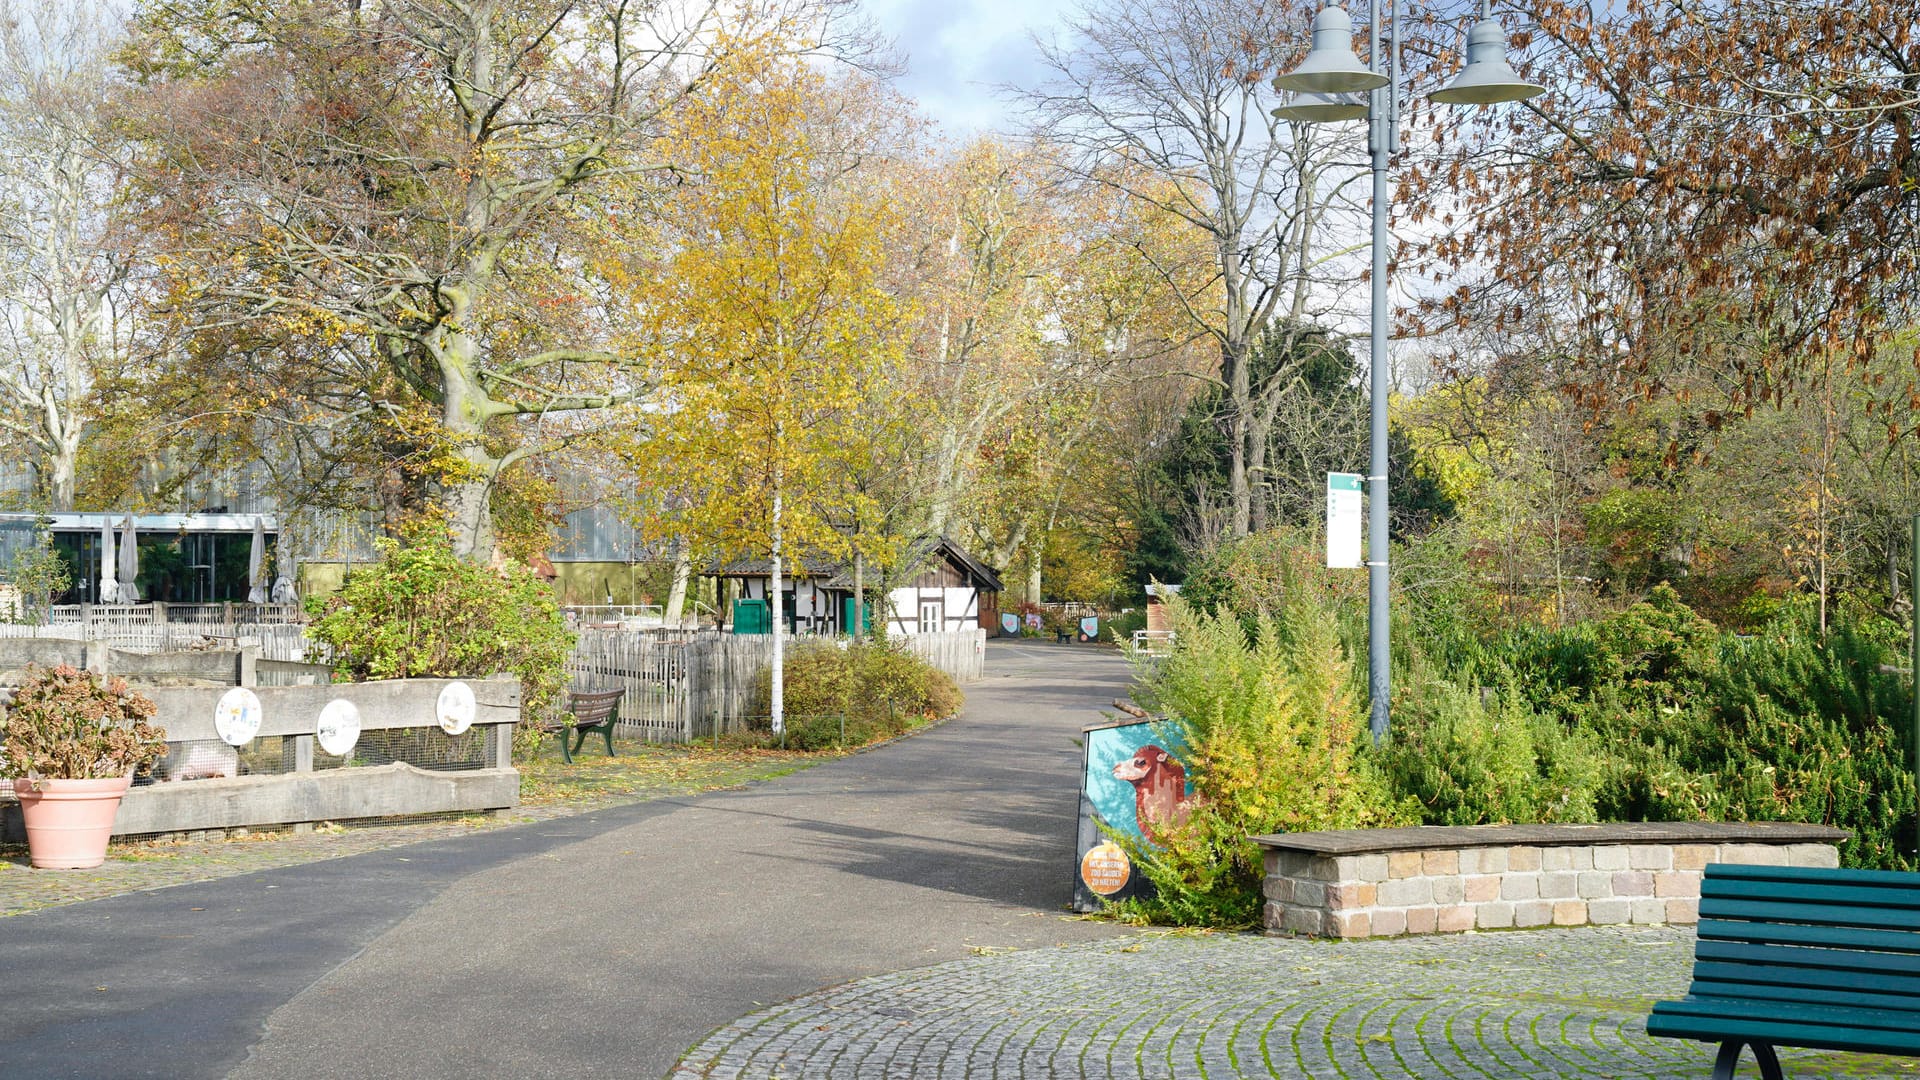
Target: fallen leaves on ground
[(642, 770)]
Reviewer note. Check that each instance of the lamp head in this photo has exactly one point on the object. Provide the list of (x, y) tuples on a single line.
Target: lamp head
[(1487, 78), (1310, 108), (1331, 67)]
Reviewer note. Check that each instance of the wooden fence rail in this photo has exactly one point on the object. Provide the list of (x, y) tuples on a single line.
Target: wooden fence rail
[(277, 641), (681, 687), (163, 614)]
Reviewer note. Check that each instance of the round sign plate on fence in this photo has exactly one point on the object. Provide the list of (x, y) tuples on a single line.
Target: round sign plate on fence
[(455, 709), (237, 717), (339, 727)]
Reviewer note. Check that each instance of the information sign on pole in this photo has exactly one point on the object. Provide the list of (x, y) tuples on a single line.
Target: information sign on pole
[(1345, 498)]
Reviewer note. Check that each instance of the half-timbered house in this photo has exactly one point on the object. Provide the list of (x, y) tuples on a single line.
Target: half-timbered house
[(944, 589)]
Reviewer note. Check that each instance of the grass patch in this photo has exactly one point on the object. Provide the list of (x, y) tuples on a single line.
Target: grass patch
[(649, 771)]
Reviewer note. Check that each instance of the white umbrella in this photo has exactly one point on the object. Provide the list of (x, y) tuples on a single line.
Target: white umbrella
[(257, 565), (129, 562), (109, 591), (287, 566)]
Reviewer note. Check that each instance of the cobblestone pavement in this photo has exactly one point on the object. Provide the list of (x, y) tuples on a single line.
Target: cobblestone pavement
[(1532, 1003)]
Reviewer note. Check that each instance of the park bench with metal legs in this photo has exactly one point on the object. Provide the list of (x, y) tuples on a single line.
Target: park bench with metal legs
[(1796, 956), (593, 710)]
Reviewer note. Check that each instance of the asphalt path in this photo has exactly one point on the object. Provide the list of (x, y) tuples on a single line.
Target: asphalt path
[(600, 945)]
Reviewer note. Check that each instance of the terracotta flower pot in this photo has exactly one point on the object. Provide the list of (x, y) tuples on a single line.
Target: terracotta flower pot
[(69, 821)]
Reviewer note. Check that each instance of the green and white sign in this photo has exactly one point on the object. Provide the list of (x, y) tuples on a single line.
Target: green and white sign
[(1346, 496)]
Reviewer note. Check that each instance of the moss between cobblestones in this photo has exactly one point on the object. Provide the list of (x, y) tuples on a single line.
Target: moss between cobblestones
[(1548, 1003)]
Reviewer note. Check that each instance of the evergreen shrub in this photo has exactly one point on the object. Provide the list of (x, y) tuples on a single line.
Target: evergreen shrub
[(1473, 757)]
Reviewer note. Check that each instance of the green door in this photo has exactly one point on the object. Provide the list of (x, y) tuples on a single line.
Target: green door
[(751, 617), (846, 616)]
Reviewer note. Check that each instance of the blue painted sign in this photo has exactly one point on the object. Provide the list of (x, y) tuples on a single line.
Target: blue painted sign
[(1134, 781)]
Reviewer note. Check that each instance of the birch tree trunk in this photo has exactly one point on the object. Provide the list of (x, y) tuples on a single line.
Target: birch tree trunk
[(776, 604)]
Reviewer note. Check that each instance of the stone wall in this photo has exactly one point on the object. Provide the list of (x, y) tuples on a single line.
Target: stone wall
[(1380, 883)]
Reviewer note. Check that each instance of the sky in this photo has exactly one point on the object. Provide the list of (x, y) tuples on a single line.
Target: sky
[(957, 52)]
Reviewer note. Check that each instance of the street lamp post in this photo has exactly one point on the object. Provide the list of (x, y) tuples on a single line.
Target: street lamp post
[(1323, 90)]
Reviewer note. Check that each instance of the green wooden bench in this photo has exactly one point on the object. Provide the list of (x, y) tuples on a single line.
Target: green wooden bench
[(1793, 956), (592, 710)]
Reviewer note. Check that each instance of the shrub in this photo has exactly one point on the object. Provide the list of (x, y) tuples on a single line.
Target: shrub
[(40, 573), (1658, 650), (1672, 719), (69, 724), (1257, 575), (422, 611), (1468, 764), (1120, 627), (1273, 736), (877, 688)]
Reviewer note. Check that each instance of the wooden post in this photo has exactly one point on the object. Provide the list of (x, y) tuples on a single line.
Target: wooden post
[(503, 745)]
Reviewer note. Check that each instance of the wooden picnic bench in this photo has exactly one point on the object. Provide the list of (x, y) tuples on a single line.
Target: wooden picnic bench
[(591, 710), (1796, 956)]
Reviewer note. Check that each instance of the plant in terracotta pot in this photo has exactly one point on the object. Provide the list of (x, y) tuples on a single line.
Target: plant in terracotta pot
[(71, 742)]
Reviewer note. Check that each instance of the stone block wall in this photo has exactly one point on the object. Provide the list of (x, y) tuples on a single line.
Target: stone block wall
[(1451, 890)]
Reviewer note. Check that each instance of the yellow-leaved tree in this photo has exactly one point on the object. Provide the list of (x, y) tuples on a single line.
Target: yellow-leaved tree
[(766, 306)]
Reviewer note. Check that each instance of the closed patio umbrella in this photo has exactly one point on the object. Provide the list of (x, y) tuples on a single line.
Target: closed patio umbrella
[(286, 567), (129, 562), (109, 589), (257, 565)]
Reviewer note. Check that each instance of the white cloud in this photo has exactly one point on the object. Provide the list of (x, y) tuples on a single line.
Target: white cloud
[(957, 55)]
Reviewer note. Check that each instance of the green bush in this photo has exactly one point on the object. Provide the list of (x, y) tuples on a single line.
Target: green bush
[(1120, 627), (877, 688), (1683, 722), (422, 611), (1274, 745), (1470, 764), (1651, 713), (40, 573)]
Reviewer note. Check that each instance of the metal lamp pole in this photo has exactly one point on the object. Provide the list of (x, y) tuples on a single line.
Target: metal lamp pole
[(1322, 91)]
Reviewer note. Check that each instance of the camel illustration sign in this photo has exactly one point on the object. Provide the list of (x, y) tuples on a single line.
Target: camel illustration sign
[(1134, 784), (1345, 499)]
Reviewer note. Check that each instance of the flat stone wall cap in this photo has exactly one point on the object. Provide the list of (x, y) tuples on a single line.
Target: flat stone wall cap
[(1426, 837)]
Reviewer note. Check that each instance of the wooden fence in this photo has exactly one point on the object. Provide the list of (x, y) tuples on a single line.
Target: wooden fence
[(160, 614), (681, 687), (277, 641), (962, 654)]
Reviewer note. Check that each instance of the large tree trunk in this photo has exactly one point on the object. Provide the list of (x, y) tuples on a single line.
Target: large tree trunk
[(677, 592), (466, 497), (469, 509), (61, 463), (1259, 437)]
